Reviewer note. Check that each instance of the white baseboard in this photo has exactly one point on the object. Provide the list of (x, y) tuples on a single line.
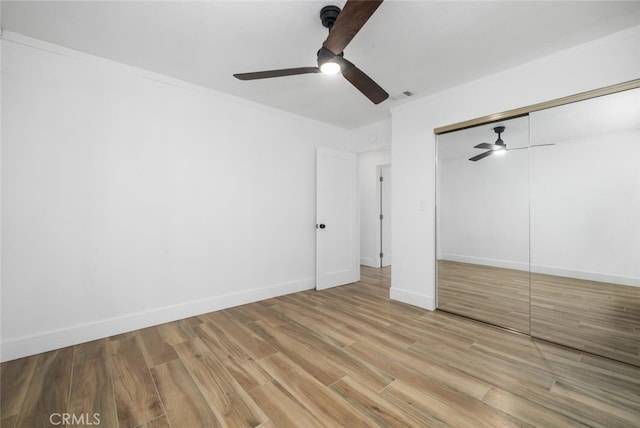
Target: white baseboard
[(367, 261), (548, 270), (589, 276), (73, 335), (505, 264), (386, 261), (412, 298)]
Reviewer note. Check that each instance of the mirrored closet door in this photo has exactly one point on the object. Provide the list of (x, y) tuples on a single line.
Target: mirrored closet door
[(483, 223), (542, 235), (585, 225)]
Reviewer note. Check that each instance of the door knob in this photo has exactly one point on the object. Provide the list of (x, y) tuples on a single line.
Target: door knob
[(322, 226)]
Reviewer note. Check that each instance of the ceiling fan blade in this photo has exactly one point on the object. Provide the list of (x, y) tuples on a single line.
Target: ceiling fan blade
[(354, 15), (362, 82), (485, 146), (481, 156), (276, 73)]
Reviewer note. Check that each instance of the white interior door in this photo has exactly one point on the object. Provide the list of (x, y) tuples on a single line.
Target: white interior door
[(337, 219), (385, 216)]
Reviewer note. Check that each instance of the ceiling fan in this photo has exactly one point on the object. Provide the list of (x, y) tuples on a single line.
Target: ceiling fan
[(499, 147), (343, 26)]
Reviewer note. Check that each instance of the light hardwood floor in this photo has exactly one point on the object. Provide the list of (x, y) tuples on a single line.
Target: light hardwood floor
[(345, 357)]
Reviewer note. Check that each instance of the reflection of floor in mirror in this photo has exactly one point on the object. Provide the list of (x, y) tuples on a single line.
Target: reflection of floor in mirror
[(596, 317), (494, 295)]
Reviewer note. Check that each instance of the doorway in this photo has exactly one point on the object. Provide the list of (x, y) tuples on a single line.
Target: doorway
[(384, 204), (370, 169)]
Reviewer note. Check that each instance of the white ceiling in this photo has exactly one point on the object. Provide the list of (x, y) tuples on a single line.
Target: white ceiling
[(421, 46)]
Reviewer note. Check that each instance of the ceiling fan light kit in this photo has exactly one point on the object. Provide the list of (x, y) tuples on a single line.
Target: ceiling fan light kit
[(328, 62), (343, 25), (330, 67)]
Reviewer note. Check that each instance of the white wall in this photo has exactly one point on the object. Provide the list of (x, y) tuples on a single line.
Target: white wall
[(131, 199), (372, 137), (604, 62), (370, 206)]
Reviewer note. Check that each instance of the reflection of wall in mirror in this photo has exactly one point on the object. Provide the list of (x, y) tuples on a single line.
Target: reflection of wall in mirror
[(585, 190), (585, 196), (483, 206)]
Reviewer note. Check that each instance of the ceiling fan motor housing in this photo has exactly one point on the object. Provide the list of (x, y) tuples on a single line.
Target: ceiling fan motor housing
[(328, 15)]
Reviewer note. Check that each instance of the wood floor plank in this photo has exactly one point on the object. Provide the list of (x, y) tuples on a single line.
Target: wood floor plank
[(420, 332), (368, 375), (8, 422), (156, 349), (421, 373), (233, 406), (487, 368), (303, 356), (395, 338), (159, 422), (617, 415), (172, 333), (253, 345), (240, 315), (449, 407), (263, 313), (183, 401), (324, 404), (15, 377), (221, 343), (92, 392), (527, 411), (135, 394), (48, 390), (282, 408), (187, 325), (328, 328), (340, 309), (233, 356), (304, 299), (523, 381), (382, 412), (90, 351)]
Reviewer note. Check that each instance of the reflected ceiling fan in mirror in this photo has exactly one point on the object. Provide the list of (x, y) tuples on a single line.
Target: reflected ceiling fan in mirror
[(497, 148), (343, 26)]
